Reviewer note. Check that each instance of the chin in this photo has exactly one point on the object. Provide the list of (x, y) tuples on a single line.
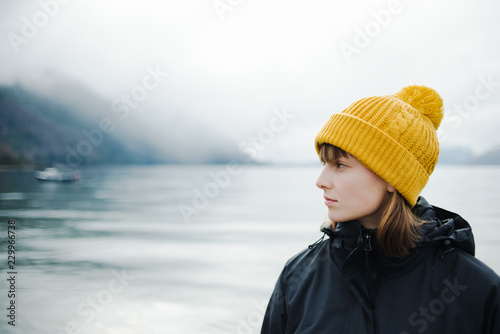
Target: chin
[(335, 219)]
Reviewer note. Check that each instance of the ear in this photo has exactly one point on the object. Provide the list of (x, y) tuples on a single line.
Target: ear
[(390, 188)]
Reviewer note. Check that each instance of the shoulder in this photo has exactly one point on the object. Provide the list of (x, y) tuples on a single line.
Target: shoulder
[(474, 278), (308, 259), (478, 269)]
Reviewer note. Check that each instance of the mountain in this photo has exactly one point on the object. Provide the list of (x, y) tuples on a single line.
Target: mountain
[(489, 158), (61, 121), (459, 155), (456, 155), (42, 131), (58, 120)]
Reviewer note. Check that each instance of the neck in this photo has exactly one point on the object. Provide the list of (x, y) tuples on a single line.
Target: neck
[(369, 223)]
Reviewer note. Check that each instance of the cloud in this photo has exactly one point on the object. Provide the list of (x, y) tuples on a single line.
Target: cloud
[(229, 74)]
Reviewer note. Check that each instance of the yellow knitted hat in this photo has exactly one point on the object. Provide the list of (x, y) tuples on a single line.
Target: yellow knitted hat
[(394, 136)]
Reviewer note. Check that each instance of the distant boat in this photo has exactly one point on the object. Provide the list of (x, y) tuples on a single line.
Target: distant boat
[(54, 174)]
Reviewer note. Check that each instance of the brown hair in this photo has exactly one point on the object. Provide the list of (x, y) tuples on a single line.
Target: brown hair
[(397, 232)]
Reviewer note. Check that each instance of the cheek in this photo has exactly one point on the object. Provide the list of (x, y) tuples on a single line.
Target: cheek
[(370, 191)]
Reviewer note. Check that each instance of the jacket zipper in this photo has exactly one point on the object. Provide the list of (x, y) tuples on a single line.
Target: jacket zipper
[(368, 242), (371, 275)]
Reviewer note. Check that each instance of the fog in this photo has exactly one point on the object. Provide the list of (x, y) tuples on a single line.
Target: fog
[(228, 66)]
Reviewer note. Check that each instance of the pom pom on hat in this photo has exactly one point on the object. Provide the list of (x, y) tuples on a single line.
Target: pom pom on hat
[(424, 99)]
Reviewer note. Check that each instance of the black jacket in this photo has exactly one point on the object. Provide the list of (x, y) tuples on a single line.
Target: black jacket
[(346, 284)]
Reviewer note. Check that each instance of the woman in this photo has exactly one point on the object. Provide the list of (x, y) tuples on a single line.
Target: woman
[(393, 263)]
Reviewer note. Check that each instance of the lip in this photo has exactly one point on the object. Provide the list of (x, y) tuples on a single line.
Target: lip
[(329, 201)]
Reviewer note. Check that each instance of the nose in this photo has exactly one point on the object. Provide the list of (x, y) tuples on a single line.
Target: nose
[(323, 181)]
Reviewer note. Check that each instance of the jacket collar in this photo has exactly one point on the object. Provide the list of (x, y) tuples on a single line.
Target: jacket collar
[(442, 227), (358, 262)]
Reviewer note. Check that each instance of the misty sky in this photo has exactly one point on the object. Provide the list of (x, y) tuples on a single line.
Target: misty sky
[(232, 64)]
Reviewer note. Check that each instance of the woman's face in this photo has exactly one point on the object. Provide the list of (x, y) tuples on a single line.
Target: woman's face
[(353, 192)]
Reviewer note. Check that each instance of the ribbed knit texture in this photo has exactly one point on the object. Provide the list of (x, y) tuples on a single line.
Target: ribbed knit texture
[(394, 136)]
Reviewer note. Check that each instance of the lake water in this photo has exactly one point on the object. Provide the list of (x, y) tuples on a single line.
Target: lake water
[(166, 249)]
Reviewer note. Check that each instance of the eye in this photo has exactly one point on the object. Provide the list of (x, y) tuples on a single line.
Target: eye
[(339, 165)]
